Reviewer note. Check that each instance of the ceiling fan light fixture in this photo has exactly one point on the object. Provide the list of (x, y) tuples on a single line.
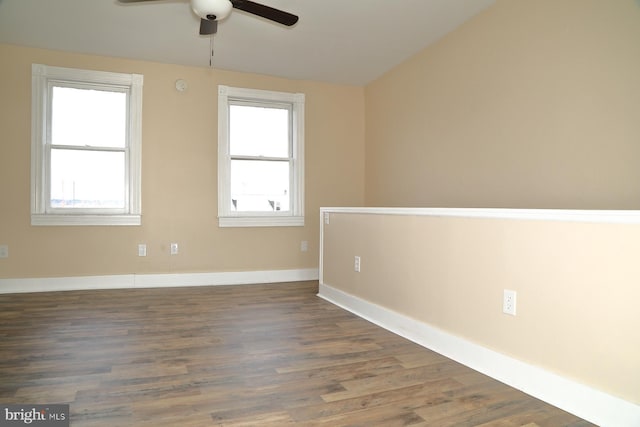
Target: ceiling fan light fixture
[(212, 9)]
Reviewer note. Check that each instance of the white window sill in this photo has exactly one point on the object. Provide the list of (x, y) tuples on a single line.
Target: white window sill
[(67, 219), (258, 221)]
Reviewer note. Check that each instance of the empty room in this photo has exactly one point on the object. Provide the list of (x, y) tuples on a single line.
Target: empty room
[(453, 240)]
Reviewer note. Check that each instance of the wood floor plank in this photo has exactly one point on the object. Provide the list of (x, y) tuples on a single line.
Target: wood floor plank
[(259, 355), (410, 398)]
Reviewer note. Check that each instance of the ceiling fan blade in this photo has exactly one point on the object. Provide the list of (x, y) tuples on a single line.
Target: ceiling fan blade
[(208, 27), (276, 15)]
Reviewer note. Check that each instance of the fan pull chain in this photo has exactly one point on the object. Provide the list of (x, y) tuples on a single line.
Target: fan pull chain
[(211, 51)]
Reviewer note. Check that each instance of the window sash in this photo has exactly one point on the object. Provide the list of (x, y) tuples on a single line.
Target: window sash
[(49, 208), (274, 211), (49, 146), (52, 84), (288, 107)]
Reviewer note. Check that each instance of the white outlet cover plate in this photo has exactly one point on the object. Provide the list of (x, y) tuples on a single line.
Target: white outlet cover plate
[(509, 302)]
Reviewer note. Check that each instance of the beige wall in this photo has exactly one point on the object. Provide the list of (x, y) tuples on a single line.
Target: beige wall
[(529, 104), (577, 286), (179, 176)]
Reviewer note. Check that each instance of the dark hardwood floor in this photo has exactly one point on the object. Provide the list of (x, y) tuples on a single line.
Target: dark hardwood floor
[(237, 356)]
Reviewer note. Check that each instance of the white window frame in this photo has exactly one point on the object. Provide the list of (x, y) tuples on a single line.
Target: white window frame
[(43, 78), (226, 216)]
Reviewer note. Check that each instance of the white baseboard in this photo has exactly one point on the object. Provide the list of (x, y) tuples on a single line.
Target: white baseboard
[(590, 404), (49, 284)]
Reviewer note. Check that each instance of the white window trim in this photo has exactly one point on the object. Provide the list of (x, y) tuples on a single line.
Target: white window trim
[(229, 218), (41, 75)]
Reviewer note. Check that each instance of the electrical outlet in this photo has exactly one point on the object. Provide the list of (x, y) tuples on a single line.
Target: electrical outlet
[(142, 249), (174, 249), (509, 302), (304, 246), (356, 264), (4, 251)]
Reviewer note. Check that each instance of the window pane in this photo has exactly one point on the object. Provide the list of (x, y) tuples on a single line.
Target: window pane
[(88, 117), (259, 186), (258, 131), (87, 179)]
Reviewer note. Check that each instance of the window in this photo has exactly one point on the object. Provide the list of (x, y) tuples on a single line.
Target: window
[(260, 158), (86, 138)]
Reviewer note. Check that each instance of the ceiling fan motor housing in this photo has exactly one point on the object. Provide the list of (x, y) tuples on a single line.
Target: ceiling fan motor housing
[(213, 10)]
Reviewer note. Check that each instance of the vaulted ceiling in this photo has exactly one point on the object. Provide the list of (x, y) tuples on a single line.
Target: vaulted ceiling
[(338, 41)]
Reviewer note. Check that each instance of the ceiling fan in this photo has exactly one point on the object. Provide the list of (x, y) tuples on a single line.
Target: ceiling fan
[(212, 11)]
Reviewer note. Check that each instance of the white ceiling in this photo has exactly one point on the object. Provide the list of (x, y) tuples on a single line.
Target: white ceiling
[(338, 41)]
